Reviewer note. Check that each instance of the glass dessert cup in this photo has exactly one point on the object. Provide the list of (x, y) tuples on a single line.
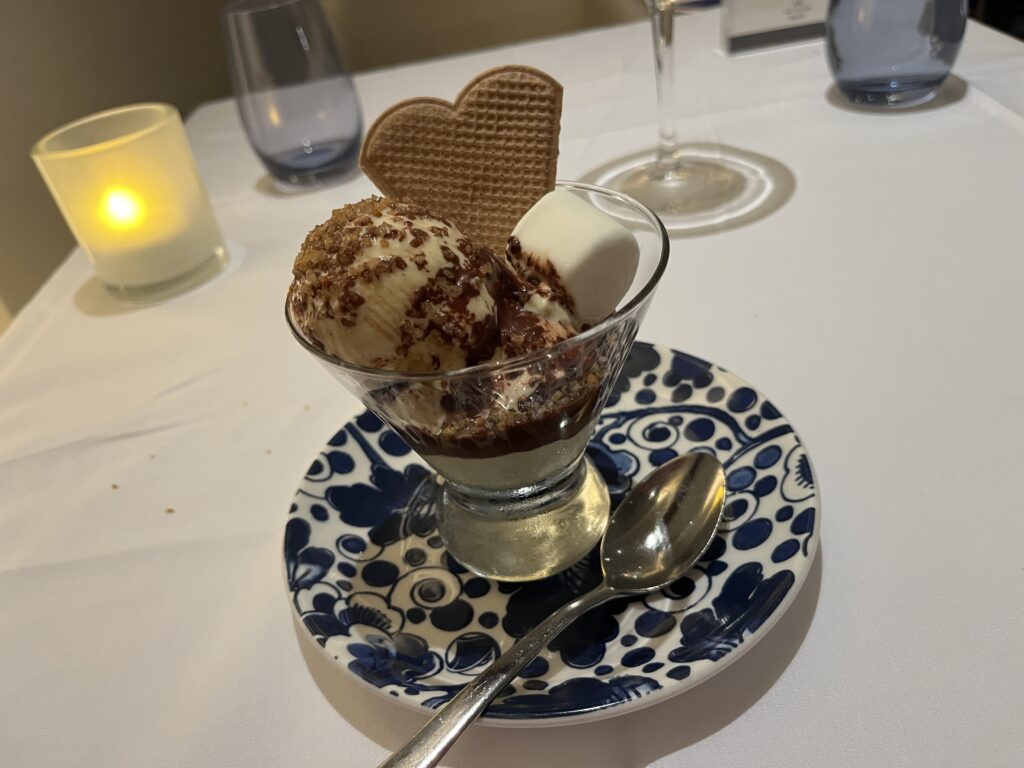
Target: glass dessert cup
[(516, 497)]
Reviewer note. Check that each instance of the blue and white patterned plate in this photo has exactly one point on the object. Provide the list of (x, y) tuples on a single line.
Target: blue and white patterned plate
[(372, 584)]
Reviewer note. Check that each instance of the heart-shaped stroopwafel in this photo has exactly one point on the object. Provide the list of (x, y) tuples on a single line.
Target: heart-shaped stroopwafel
[(482, 161)]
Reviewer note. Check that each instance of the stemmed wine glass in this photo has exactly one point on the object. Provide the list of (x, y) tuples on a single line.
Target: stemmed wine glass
[(692, 187)]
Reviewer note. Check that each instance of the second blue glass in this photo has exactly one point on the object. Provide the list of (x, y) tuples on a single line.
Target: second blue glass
[(893, 52)]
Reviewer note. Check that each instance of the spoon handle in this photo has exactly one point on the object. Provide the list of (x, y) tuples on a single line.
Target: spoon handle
[(434, 739)]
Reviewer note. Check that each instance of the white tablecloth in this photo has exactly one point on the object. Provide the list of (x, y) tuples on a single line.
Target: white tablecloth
[(880, 308)]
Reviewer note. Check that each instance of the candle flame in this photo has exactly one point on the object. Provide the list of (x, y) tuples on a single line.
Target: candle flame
[(122, 209)]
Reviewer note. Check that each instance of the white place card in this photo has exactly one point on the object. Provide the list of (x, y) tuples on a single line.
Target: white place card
[(749, 24)]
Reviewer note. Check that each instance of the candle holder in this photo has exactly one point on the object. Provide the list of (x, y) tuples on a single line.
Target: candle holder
[(127, 185)]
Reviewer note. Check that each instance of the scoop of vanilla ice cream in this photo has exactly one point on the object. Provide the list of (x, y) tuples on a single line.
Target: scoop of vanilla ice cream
[(384, 284)]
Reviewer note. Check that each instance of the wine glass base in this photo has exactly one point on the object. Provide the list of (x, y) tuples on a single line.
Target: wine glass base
[(714, 187), (693, 188)]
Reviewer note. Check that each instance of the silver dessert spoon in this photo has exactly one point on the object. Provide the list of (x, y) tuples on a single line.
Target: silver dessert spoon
[(658, 532)]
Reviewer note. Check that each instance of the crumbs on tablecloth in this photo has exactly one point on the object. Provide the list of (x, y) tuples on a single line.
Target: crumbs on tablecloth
[(114, 486), (169, 510), (305, 407), (268, 451)]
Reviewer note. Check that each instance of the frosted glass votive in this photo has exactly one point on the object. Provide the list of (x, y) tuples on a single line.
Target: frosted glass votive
[(127, 185)]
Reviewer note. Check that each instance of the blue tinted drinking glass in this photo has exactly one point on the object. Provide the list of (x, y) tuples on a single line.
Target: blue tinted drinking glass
[(295, 98), (893, 52)]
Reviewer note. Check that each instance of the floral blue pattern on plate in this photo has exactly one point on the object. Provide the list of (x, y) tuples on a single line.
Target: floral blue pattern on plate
[(372, 584)]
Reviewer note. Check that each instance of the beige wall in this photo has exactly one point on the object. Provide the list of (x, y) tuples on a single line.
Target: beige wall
[(61, 59), (375, 33), (5, 316)]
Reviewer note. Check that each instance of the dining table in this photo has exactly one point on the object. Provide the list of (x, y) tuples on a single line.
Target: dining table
[(149, 453)]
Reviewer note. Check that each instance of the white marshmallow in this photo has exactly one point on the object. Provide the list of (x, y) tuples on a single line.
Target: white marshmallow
[(595, 255)]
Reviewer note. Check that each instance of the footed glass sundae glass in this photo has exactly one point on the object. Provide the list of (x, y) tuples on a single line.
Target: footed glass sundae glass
[(517, 499)]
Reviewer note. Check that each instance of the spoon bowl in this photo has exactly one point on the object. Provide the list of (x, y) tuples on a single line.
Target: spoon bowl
[(664, 525)]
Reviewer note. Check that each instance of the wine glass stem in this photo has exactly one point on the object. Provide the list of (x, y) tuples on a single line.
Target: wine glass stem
[(662, 16)]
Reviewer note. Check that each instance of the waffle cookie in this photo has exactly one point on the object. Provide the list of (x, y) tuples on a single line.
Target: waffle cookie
[(482, 160)]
